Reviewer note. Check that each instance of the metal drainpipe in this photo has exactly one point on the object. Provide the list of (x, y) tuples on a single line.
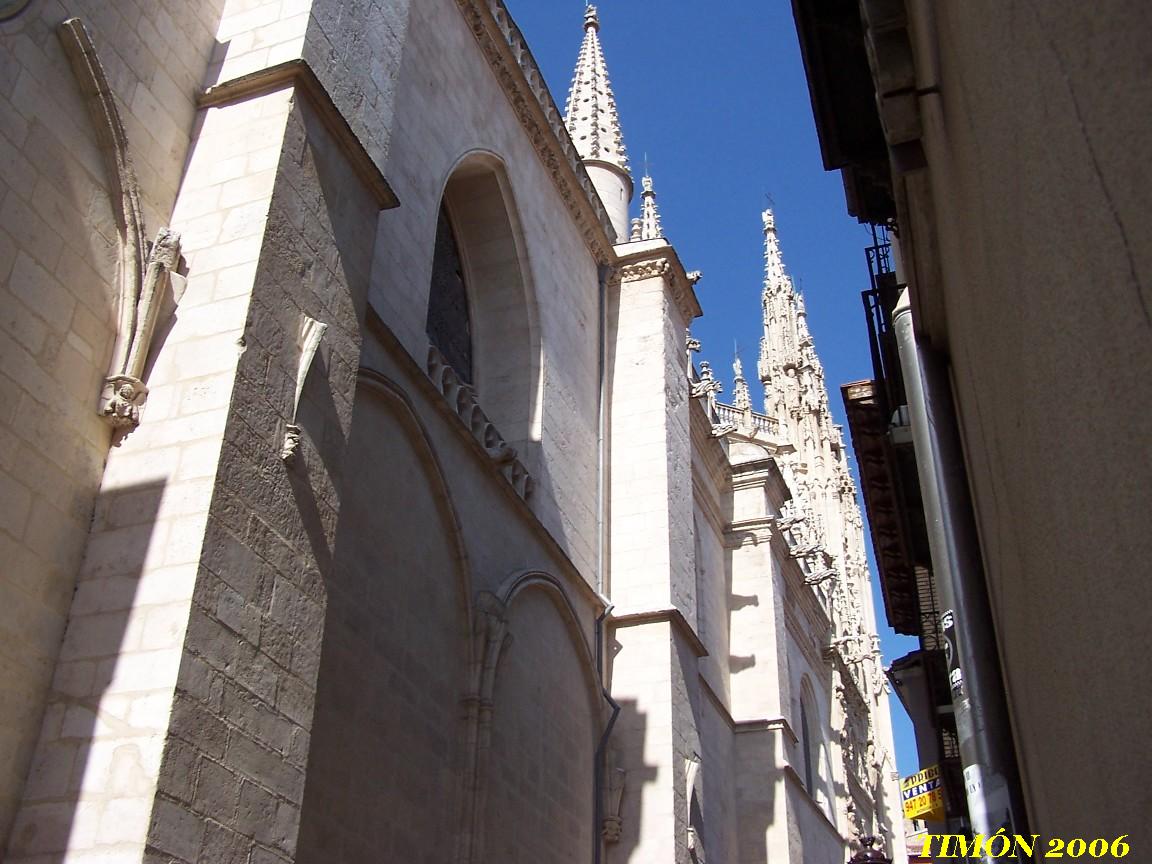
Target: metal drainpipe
[(601, 556), (602, 429), (991, 777), (598, 773)]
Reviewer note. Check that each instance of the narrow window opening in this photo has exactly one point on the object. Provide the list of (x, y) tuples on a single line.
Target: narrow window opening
[(806, 735), (449, 326)]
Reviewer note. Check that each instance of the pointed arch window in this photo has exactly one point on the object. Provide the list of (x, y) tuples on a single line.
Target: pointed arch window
[(449, 324)]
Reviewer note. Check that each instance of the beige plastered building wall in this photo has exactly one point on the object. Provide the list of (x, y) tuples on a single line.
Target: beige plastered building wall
[(1027, 246)]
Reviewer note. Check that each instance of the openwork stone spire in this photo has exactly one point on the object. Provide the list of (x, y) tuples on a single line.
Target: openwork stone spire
[(793, 378), (778, 342), (591, 115)]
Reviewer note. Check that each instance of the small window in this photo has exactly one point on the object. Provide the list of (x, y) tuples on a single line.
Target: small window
[(807, 743), (449, 325)]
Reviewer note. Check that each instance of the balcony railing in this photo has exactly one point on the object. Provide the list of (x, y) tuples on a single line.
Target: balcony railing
[(760, 422), (879, 301)]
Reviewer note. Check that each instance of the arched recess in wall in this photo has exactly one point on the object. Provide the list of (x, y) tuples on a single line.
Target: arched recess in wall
[(548, 715), (387, 736), (480, 235), (814, 748)]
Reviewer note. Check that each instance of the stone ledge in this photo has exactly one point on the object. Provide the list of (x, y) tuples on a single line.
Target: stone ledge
[(298, 74), (671, 615)]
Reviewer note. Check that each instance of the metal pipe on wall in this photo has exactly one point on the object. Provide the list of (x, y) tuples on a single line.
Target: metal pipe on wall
[(991, 776), (601, 563)]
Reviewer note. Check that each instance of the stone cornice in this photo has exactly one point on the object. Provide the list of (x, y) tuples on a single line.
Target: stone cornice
[(298, 74), (756, 724), (511, 61), (661, 260), (774, 724), (671, 615)]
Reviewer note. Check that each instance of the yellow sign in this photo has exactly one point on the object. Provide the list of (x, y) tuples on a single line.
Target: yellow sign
[(923, 795)]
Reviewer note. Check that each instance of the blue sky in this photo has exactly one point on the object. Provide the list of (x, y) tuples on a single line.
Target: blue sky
[(715, 95)]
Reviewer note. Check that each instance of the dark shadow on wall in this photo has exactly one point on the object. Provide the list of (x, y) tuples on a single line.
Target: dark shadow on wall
[(626, 751), (90, 668), (384, 759), (755, 792), (756, 776)]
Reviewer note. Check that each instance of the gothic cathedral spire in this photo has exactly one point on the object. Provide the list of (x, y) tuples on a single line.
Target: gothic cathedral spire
[(594, 124), (788, 367), (778, 342)]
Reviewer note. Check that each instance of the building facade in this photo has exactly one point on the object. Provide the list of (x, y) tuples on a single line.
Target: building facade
[(1003, 441), (361, 498)]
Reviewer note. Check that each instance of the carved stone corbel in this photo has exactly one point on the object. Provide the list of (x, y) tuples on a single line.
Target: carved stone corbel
[(311, 332), (145, 271), (616, 777)]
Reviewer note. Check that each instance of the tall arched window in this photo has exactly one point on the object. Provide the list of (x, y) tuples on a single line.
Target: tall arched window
[(481, 312), (815, 749), (809, 744), (449, 324)]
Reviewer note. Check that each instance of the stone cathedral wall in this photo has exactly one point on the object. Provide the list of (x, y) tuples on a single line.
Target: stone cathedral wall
[(233, 629), (58, 251), (453, 115)]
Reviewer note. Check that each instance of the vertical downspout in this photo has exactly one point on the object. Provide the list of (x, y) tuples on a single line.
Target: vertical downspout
[(602, 430), (991, 777), (601, 559), (598, 773)]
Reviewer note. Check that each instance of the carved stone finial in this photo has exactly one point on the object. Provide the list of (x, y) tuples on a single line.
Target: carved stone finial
[(650, 228), (741, 398), (591, 17)]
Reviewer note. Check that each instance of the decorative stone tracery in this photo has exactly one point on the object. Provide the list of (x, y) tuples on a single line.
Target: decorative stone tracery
[(462, 398)]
